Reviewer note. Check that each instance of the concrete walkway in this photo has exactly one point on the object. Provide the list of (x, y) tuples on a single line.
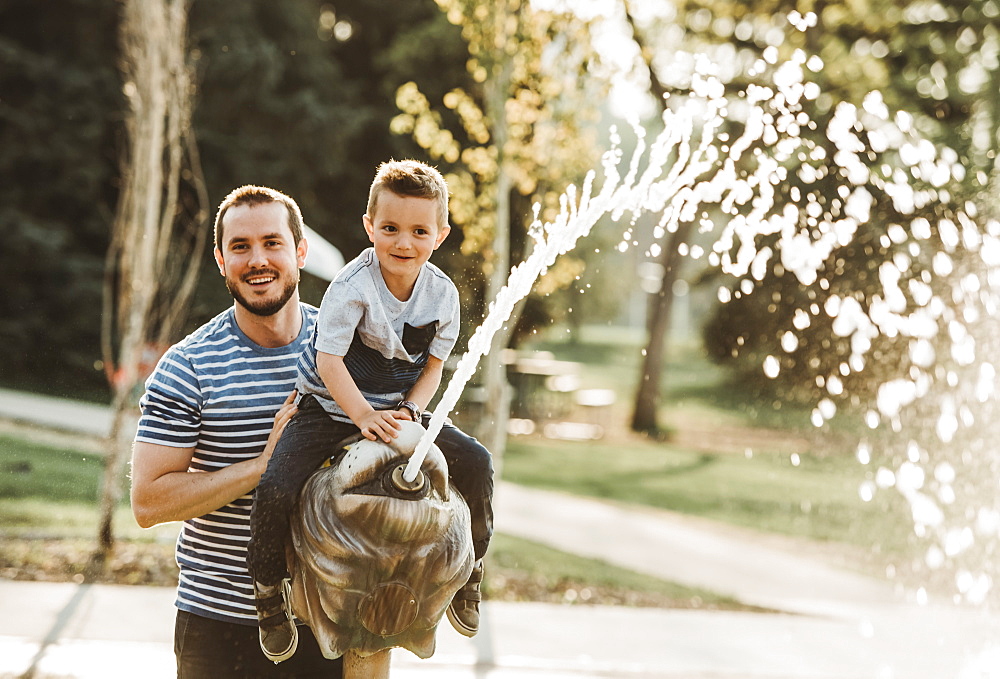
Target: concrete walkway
[(836, 624)]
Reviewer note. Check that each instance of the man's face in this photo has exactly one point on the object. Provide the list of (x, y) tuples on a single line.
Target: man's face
[(259, 257), (404, 231)]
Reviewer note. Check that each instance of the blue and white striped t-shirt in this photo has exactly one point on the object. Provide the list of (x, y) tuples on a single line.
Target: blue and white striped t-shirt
[(218, 392)]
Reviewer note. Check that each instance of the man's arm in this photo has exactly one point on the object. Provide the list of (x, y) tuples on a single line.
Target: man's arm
[(164, 490), (374, 424)]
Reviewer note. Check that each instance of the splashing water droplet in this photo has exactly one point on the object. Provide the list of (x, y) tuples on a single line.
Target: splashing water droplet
[(771, 367)]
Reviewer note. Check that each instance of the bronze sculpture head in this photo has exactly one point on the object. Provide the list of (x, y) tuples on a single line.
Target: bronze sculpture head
[(375, 560)]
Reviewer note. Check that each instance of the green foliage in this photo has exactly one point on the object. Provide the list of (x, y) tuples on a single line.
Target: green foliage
[(936, 63), (59, 97), (290, 93), (515, 128), (299, 95)]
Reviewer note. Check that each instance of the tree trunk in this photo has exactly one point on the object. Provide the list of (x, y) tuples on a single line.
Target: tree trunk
[(148, 278), (647, 397), (493, 429)]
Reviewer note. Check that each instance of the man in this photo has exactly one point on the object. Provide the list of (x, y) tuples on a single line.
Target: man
[(213, 410)]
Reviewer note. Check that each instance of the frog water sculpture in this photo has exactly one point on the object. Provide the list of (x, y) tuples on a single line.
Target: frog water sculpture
[(375, 559)]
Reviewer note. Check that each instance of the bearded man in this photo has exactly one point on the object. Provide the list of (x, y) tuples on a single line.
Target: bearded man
[(213, 409)]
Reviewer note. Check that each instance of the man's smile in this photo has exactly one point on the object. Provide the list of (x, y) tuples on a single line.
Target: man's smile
[(259, 278)]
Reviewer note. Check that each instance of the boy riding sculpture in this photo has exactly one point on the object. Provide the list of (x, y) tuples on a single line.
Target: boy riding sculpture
[(387, 323)]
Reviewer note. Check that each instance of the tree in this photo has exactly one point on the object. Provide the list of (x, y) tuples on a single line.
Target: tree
[(647, 397), (58, 127), (516, 134), (150, 271), (901, 49)]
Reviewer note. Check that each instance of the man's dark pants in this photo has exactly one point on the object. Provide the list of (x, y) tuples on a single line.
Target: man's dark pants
[(308, 440), (212, 649)]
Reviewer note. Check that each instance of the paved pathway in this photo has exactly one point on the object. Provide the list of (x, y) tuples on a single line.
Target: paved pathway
[(109, 631), (59, 414), (836, 625)]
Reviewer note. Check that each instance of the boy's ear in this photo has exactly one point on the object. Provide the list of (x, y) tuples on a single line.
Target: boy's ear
[(441, 235), (369, 227)]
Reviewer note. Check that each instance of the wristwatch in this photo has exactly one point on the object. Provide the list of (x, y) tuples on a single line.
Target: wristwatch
[(412, 407)]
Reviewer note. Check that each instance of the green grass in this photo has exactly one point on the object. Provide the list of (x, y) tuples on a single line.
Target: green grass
[(552, 568), (53, 492), (30, 470), (816, 499)]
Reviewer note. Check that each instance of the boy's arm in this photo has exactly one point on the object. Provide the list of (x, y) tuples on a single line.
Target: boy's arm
[(426, 385), (374, 424)]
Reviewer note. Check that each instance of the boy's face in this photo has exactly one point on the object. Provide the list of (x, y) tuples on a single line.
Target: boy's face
[(404, 231)]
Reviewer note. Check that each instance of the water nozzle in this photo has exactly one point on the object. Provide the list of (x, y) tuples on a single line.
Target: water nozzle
[(400, 482)]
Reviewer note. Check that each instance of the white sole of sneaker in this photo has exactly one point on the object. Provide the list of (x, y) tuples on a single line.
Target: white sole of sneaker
[(286, 589), (457, 624)]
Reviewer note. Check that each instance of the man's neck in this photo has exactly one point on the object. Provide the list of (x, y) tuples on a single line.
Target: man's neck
[(277, 330)]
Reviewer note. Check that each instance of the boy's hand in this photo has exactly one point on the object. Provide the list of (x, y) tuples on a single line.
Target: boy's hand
[(379, 424)]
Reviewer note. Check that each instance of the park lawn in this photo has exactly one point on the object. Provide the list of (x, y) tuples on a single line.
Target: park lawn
[(49, 515), (52, 491), (543, 573), (787, 478), (817, 499)]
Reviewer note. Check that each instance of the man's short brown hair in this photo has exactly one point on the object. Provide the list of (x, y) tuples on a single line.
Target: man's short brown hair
[(410, 178), (258, 195)]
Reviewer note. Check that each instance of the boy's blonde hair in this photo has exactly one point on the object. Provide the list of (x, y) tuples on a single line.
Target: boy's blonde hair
[(410, 178)]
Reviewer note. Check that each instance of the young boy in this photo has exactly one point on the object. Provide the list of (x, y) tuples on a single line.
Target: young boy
[(386, 325)]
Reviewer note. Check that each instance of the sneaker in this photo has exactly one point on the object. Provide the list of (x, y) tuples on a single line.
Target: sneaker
[(278, 636), (463, 611)]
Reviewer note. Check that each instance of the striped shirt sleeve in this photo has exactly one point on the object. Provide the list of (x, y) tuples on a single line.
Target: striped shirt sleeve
[(171, 407)]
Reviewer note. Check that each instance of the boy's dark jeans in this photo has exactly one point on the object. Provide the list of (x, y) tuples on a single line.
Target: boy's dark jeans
[(307, 441)]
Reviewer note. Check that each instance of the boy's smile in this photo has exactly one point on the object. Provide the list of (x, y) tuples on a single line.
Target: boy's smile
[(404, 231)]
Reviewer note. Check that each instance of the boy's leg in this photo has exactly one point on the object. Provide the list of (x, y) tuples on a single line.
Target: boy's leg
[(470, 468), (307, 440)]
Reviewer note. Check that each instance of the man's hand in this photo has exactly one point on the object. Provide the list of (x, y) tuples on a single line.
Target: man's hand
[(379, 424)]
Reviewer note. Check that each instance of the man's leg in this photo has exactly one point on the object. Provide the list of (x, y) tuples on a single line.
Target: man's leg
[(470, 468), (307, 440), (212, 649)]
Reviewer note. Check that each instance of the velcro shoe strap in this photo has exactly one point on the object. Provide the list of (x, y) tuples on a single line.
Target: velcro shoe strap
[(276, 620), (268, 602), (469, 594)]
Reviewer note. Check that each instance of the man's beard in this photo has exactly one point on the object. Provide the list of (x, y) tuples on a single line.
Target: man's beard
[(263, 307)]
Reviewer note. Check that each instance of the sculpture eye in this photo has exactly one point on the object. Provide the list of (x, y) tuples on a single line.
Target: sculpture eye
[(388, 483)]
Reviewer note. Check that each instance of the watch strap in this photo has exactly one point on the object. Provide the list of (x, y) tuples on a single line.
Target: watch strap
[(412, 407)]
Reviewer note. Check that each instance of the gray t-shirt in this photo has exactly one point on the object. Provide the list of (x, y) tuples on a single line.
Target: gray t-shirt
[(385, 342)]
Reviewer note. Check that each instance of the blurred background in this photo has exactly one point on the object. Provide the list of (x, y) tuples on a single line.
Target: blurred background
[(637, 371)]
